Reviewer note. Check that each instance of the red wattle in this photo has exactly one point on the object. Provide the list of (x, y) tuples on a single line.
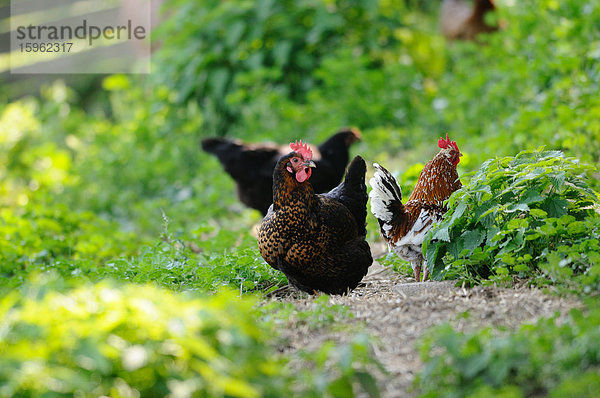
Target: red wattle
[(302, 175)]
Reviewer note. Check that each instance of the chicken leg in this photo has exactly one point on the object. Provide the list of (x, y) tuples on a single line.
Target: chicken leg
[(419, 266)]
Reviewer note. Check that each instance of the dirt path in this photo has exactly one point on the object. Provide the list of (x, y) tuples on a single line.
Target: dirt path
[(397, 312)]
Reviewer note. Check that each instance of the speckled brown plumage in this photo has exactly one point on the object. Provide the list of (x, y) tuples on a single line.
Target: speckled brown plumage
[(317, 241)]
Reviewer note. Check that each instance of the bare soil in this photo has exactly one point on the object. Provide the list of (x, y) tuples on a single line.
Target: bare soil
[(397, 311)]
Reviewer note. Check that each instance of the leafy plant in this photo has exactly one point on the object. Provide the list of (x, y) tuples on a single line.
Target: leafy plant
[(213, 51), (574, 264), (37, 238), (514, 213), (127, 340), (332, 369), (343, 371), (87, 252), (553, 358), (130, 340)]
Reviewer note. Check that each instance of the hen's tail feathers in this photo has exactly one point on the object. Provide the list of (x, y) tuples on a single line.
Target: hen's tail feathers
[(230, 154), (386, 197), (352, 192), (355, 176)]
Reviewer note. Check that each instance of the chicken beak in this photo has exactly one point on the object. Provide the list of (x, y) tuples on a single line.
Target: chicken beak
[(310, 163)]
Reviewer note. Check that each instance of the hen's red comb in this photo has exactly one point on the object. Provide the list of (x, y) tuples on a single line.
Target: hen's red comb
[(445, 143), (302, 149)]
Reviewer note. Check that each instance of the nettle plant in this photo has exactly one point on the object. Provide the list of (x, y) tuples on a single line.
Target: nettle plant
[(517, 215)]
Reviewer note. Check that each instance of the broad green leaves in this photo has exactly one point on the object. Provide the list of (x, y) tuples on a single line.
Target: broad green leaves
[(95, 340), (512, 214), (217, 53), (558, 358), (117, 339)]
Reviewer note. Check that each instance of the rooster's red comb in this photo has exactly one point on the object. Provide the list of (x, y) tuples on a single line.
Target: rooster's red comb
[(302, 149), (445, 143)]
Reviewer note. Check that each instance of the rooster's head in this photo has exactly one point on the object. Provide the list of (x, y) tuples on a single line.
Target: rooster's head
[(450, 149), (300, 161)]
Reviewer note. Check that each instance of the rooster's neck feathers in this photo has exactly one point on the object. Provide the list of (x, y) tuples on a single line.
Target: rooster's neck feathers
[(437, 181)]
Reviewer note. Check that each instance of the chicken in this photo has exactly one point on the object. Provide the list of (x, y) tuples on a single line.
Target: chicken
[(317, 241), (461, 20), (251, 165), (404, 226)]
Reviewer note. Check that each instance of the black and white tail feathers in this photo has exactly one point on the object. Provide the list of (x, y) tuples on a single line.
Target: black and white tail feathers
[(352, 193), (386, 197)]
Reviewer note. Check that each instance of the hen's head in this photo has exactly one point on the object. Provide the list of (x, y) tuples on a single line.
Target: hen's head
[(345, 137), (450, 150), (299, 162)]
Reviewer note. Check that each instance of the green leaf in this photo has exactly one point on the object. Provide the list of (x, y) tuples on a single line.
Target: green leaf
[(434, 255), (368, 383), (558, 180), (555, 206), (492, 232), (516, 223), (441, 234), (281, 52), (517, 207), (577, 228), (218, 81), (551, 155), (539, 213), (472, 239), (458, 212), (341, 388), (476, 363), (531, 175), (532, 196), (235, 32), (521, 267), (264, 8)]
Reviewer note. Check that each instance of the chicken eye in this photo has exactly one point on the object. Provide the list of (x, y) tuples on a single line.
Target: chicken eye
[(295, 160)]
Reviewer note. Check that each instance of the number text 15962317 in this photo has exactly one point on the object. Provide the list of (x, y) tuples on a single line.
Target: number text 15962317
[(45, 47)]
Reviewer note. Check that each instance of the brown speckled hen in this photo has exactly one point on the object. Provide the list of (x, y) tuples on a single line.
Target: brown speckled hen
[(404, 226), (317, 241), (251, 165)]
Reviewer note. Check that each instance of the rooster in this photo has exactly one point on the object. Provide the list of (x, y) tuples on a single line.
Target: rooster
[(461, 20), (317, 241), (404, 226), (251, 165)]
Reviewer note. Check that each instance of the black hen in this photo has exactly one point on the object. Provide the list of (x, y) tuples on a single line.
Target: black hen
[(317, 241), (251, 165)]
